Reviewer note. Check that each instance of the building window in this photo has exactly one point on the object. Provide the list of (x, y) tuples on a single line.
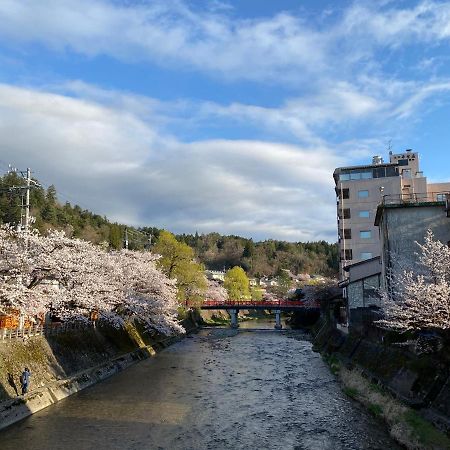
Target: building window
[(347, 254), (392, 171), (365, 234), (371, 286), (347, 233), (344, 213), (366, 255), (379, 172), (364, 214), (363, 194), (406, 173), (344, 194), (367, 174), (402, 162)]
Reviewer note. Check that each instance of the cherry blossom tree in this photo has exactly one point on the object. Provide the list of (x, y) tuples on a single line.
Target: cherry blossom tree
[(73, 278), (419, 298), (320, 293), (216, 291)]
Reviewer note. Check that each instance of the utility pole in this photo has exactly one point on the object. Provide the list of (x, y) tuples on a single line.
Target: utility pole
[(24, 191), (126, 239), (27, 200)]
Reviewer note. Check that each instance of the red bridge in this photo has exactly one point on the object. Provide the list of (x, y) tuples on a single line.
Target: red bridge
[(283, 305), (233, 307)]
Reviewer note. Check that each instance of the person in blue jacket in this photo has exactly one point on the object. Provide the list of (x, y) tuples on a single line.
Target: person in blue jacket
[(25, 380)]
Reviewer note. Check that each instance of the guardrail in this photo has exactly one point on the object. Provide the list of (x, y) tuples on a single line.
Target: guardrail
[(47, 330)]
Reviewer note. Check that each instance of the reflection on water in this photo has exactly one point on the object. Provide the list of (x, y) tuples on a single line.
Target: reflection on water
[(219, 389), (262, 324)]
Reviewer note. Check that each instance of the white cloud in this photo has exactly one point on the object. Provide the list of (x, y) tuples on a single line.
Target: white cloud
[(411, 104), (284, 47), (119, 151), (113, 162), (424, 21), (167, 33)]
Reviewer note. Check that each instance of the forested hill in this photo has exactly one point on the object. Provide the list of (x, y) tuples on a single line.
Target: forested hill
[(263, 258), (48, 212), (213, 250)]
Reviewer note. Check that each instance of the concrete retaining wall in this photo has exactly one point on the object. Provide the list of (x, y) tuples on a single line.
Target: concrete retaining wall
[(17, 409), (420, 381)]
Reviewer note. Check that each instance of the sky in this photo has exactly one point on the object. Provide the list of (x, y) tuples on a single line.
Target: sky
[(226, 116)]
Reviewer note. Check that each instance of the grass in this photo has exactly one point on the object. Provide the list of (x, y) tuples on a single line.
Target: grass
[(351, 392), (216, 321), (375, 409), (376, 388), (333, 363), (405, 424), (426, 434)]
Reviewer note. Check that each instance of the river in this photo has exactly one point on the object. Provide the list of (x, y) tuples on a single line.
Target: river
[(218, 389)]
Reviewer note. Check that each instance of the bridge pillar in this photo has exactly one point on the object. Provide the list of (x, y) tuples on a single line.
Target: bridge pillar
[(278, 325), (234, 318)]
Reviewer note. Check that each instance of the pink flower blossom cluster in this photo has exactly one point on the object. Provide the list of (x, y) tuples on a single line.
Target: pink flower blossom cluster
[(419, 298), (74, 278)]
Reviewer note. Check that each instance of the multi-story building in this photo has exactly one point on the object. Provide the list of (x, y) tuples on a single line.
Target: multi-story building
[(360, 189)]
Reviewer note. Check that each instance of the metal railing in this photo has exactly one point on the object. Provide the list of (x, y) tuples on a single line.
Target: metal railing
[(38, 330), (428, 197)]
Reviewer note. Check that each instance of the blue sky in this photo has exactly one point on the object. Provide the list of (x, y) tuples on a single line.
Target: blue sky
[(225, 116)]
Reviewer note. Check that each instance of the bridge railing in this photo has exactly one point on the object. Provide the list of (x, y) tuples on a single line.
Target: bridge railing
[(251, 303)]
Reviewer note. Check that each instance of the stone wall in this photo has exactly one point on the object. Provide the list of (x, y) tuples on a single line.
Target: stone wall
[(420, 381)]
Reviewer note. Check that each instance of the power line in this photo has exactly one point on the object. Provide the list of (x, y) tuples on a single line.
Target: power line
[(142, 235), (24, 192)]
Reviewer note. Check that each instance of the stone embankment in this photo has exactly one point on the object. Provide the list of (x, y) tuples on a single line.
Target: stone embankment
[(410, 391), (69, 362)]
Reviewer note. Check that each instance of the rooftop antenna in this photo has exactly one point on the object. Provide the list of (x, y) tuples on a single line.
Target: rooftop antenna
[(389, 146)]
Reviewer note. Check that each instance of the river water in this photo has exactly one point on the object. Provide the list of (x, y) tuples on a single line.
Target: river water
[(218, 389)]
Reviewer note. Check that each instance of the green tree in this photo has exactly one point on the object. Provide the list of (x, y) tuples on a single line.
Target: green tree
[(174, 254), (237, 284), (249, 249), (256, 293), (115, 236), (49, 213), (284, 282), (177, 261), (51, 195)]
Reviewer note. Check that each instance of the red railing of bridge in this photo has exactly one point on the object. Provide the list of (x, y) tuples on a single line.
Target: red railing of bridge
[(248, 304)]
